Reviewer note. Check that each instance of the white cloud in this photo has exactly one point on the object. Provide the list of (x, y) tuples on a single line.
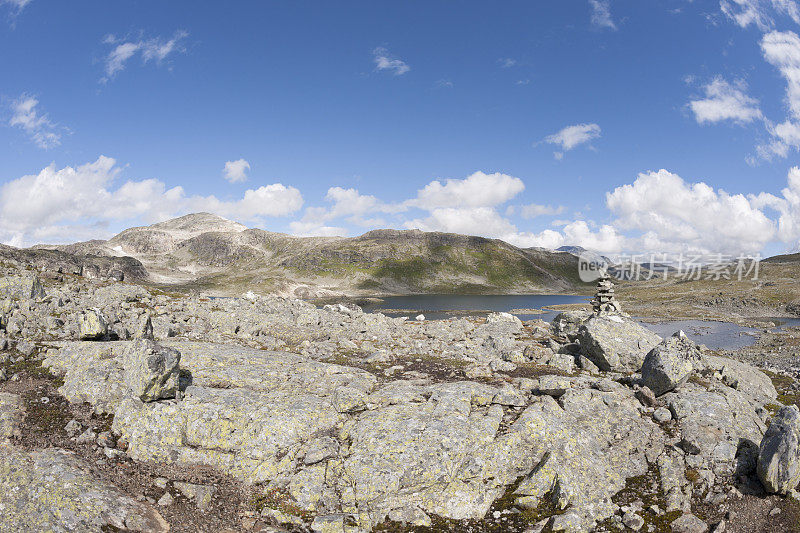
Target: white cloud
[(535, 210), (573, 136), (601, 14), (312, 229), (788, 206), (155, 49), (477, 190), (507, 62), (725, 101), (16, 5), (689, 217), (759, 12), (71, 201), (236, 171), (483, 221), (746, 12), (383, 61), (782, 50), (37, 125)]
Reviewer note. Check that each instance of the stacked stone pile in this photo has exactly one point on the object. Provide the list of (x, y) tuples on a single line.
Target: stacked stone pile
[(604, 302)]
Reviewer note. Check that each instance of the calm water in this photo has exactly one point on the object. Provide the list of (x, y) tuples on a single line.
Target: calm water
[(715, 335), (434, 306)]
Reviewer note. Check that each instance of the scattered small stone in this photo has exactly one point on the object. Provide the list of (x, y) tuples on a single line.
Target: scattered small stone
[(87, 437), (166, 500), (646, 397), (775, 512), (106, 439), (633, 521), (161, 482), (26, 348), (662, 415), (201, 494), (73, 427), (688, 523)]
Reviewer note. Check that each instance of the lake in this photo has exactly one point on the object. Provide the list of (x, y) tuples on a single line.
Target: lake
[(715, 335), (438, 306)]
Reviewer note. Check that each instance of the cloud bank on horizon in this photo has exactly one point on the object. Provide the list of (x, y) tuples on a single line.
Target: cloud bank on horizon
[(518, 142), (657, 212)]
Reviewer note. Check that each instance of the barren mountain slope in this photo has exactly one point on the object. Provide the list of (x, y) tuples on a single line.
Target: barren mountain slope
[(206, 252)]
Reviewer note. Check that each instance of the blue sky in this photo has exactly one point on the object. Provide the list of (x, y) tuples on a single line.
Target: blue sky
[(657, 125)]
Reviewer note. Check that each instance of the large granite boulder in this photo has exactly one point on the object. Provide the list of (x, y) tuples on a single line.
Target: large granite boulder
[(670, 363), (151, 370), (743, 377), (779, 453), (54, 490), (25, 286), (567, 323), (92, 325), (616, 342)]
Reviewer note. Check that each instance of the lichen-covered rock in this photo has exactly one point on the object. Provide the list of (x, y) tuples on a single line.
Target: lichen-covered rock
[(670, 363), (593, 444), (616, 342), (568, 323), (11, 412), (26, 286), (92, 325), (150, 370), (688, 523), (250, 434), (742, 377), (779, 453), (144, 329), (718, 424), (53, 490)]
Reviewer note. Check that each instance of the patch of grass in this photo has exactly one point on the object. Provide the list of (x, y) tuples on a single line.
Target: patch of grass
[(783, 385), (280, 500), (647, 490), (511, 519)]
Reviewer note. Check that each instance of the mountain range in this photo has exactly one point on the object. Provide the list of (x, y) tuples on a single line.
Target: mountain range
[(207, 253)]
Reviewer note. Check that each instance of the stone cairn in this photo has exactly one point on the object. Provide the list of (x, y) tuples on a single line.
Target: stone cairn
[(603, 301)]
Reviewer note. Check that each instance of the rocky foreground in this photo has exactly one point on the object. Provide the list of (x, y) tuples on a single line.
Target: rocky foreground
[(123, 408)]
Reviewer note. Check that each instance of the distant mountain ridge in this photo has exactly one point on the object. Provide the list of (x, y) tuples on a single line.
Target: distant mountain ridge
[(209, 253)]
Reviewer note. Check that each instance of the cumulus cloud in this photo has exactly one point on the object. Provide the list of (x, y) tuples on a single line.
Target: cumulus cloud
[(535, 210), (384, 61), (788, 206), (483, 221), (83, 200), (782, 50), (676, 216), (725, 101), (27, 116), (601, 14), (236, 171), (477, 190), (155, 49), (573, 136)]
